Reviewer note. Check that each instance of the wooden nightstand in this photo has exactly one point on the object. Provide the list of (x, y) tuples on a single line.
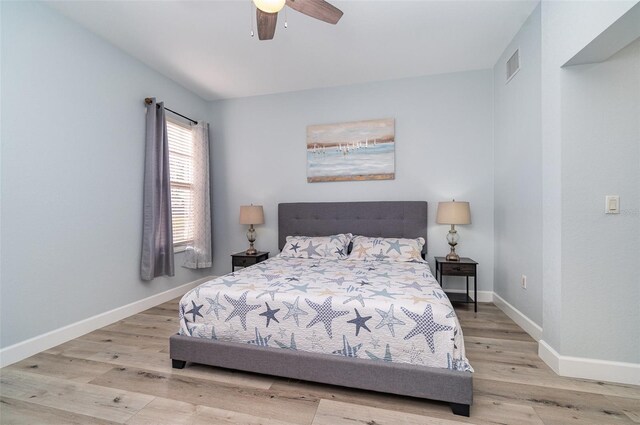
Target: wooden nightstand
[(241, 259), (465, 267)]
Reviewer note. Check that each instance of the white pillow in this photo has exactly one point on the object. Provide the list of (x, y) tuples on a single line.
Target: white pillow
[(334, 246), (386, 249)]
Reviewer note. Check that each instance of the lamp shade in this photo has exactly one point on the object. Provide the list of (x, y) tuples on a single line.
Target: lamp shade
[(251, 214), (453, 212)]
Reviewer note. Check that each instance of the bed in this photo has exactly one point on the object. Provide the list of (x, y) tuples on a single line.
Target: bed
[(332, 320)]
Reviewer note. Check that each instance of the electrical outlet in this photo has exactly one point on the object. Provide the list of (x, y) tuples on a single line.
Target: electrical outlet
[(523, 282)]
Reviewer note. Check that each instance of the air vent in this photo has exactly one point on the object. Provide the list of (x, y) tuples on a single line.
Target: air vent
[(513, 65)]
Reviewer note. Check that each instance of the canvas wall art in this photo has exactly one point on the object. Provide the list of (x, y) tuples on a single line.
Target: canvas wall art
[(359, 150)]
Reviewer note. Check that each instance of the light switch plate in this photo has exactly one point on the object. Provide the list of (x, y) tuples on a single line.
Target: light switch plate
[(612, 204)]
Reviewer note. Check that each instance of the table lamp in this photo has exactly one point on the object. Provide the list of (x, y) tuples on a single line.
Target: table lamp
[(453, 212), (251, 214)]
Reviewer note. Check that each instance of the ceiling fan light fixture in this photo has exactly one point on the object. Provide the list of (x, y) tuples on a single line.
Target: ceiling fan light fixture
[(270, 6)]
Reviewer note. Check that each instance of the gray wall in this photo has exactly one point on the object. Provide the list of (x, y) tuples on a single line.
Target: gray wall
[(518, 174), (72, 168), (444, 149), (600, 253), (567, 27)]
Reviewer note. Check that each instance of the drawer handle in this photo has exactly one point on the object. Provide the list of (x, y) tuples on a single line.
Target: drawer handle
[(457, 268)]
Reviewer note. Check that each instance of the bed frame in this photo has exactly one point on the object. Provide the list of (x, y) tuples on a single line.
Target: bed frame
[(385, 219)]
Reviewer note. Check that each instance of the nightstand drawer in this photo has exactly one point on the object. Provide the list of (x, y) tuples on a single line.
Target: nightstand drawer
[(244, 261), (458, 269)]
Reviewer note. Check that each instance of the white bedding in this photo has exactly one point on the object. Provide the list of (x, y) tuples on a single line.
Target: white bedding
[(387, 311)]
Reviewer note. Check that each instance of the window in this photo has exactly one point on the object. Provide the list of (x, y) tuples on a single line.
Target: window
[(181, 169)]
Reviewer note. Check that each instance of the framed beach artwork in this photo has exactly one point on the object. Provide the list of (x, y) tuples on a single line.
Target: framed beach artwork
[(359, 150)]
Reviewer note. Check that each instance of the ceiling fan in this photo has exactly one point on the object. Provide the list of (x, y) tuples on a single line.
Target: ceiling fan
[(267, 13)]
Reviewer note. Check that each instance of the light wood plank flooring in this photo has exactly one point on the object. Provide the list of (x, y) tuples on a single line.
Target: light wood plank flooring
[(122, 374)]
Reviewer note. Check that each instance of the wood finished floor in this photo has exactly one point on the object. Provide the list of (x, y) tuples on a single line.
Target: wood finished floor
[(122, 374)]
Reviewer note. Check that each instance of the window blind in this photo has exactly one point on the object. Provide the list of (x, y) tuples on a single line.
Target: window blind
[(181, 176)]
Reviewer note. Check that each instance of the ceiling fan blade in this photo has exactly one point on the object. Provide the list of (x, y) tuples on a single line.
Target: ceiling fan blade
[(318, 9), (266, 24)]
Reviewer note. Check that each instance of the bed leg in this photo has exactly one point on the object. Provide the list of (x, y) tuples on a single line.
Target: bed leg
[(178, 364), (460, 409)]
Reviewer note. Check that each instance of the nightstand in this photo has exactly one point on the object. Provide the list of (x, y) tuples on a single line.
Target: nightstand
[(242, 259), (465, 267)]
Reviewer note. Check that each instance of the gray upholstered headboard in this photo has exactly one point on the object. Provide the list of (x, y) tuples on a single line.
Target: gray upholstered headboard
[(390, 219)]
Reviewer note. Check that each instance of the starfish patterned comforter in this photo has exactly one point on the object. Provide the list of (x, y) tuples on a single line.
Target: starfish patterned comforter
[(380, 310)]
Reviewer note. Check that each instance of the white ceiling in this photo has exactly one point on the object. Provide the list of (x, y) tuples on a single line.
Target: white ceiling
[(206, 45)]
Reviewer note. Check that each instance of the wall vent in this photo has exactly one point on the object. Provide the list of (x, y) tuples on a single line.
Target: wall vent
[(513, 65)]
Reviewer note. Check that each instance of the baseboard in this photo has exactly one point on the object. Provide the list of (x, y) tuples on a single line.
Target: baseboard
[(549, 356), (22, 350), (573, 367), (483, 296), (516, 315), (585, 368)]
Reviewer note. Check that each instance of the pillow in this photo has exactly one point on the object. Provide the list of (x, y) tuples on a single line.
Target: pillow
[(386, 249), (334, 246)]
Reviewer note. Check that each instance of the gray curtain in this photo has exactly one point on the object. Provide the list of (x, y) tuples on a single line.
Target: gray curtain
[(157, 235)]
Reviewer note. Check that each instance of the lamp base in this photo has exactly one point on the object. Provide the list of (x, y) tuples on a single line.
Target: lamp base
[(452, 238), (251, 237), (452, 256)]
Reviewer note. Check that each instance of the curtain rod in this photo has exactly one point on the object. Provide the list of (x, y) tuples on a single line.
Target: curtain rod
[(148, 102)]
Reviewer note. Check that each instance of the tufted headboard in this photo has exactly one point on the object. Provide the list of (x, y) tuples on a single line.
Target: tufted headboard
[(391, 219)]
